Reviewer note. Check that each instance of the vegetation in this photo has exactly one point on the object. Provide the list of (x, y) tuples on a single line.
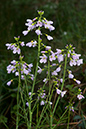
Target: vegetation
[(69, 20)]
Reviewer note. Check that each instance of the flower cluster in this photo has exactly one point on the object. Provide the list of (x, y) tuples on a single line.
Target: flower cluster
[(37, 23), (61, 92), (42, 97), (25, 69), (15, 47), (31, 44), (79, 95), (70, 106), (53, 62)]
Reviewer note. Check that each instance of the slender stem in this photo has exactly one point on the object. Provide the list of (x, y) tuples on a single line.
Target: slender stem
[(60, 118), (17, 119), (24, 110), (62, 82), (49, 93), (36, 65), (30, 112), (37, 113)]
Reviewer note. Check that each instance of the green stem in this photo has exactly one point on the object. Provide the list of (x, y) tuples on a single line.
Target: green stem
[(62, 82), (37, 113), (30, 112), (49, 93), (60, 118), (26, 114), (17, 119)]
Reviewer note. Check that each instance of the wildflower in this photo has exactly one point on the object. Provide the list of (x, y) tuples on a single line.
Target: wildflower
[(13, 62), (22, 44), (61, 92), (31, 27), (43, 51), (29, 93), (31, 44), (70, 74), (54, 64), (76, 56), (22, 77), (16, 73), (13, 47), (58, 69), (42, 103), (71, 108), (72, 62), (77, 81), (43, 59), (16, 50), (30, 65), (54, 73), (32, 76), (45, 80), (52, 57), (27, 104), (60, 58), (79, 62), (29, 21), (25, 71), (10, 68), (34, 19), (48, 47), (38, 32), (61, 80), (58, 51), (8, 46), (58, 91), (9, 83), (25, 32), (49, 37), (39, 70), (80, 97), (51, 28), (42, 95), (47, 25), (39, 24)]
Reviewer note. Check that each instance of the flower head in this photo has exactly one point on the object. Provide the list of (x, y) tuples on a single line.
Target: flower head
[(80, 97), (9, 83), (42, 103), (52, 57), (25, 32), (49, 37), (38, 32), (43, 59), (31, 44)]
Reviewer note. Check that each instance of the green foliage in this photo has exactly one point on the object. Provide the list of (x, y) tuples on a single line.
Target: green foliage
[(68, 16)]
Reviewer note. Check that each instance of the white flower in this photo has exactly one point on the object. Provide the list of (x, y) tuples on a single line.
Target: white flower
[(58, 69), (80, 97), (42, 102), (49, 37), (63, 93)]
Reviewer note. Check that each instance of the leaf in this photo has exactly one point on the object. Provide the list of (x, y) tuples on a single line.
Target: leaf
[(76, 117)]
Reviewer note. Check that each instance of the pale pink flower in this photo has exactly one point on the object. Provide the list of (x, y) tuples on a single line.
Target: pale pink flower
[(80, 97)]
